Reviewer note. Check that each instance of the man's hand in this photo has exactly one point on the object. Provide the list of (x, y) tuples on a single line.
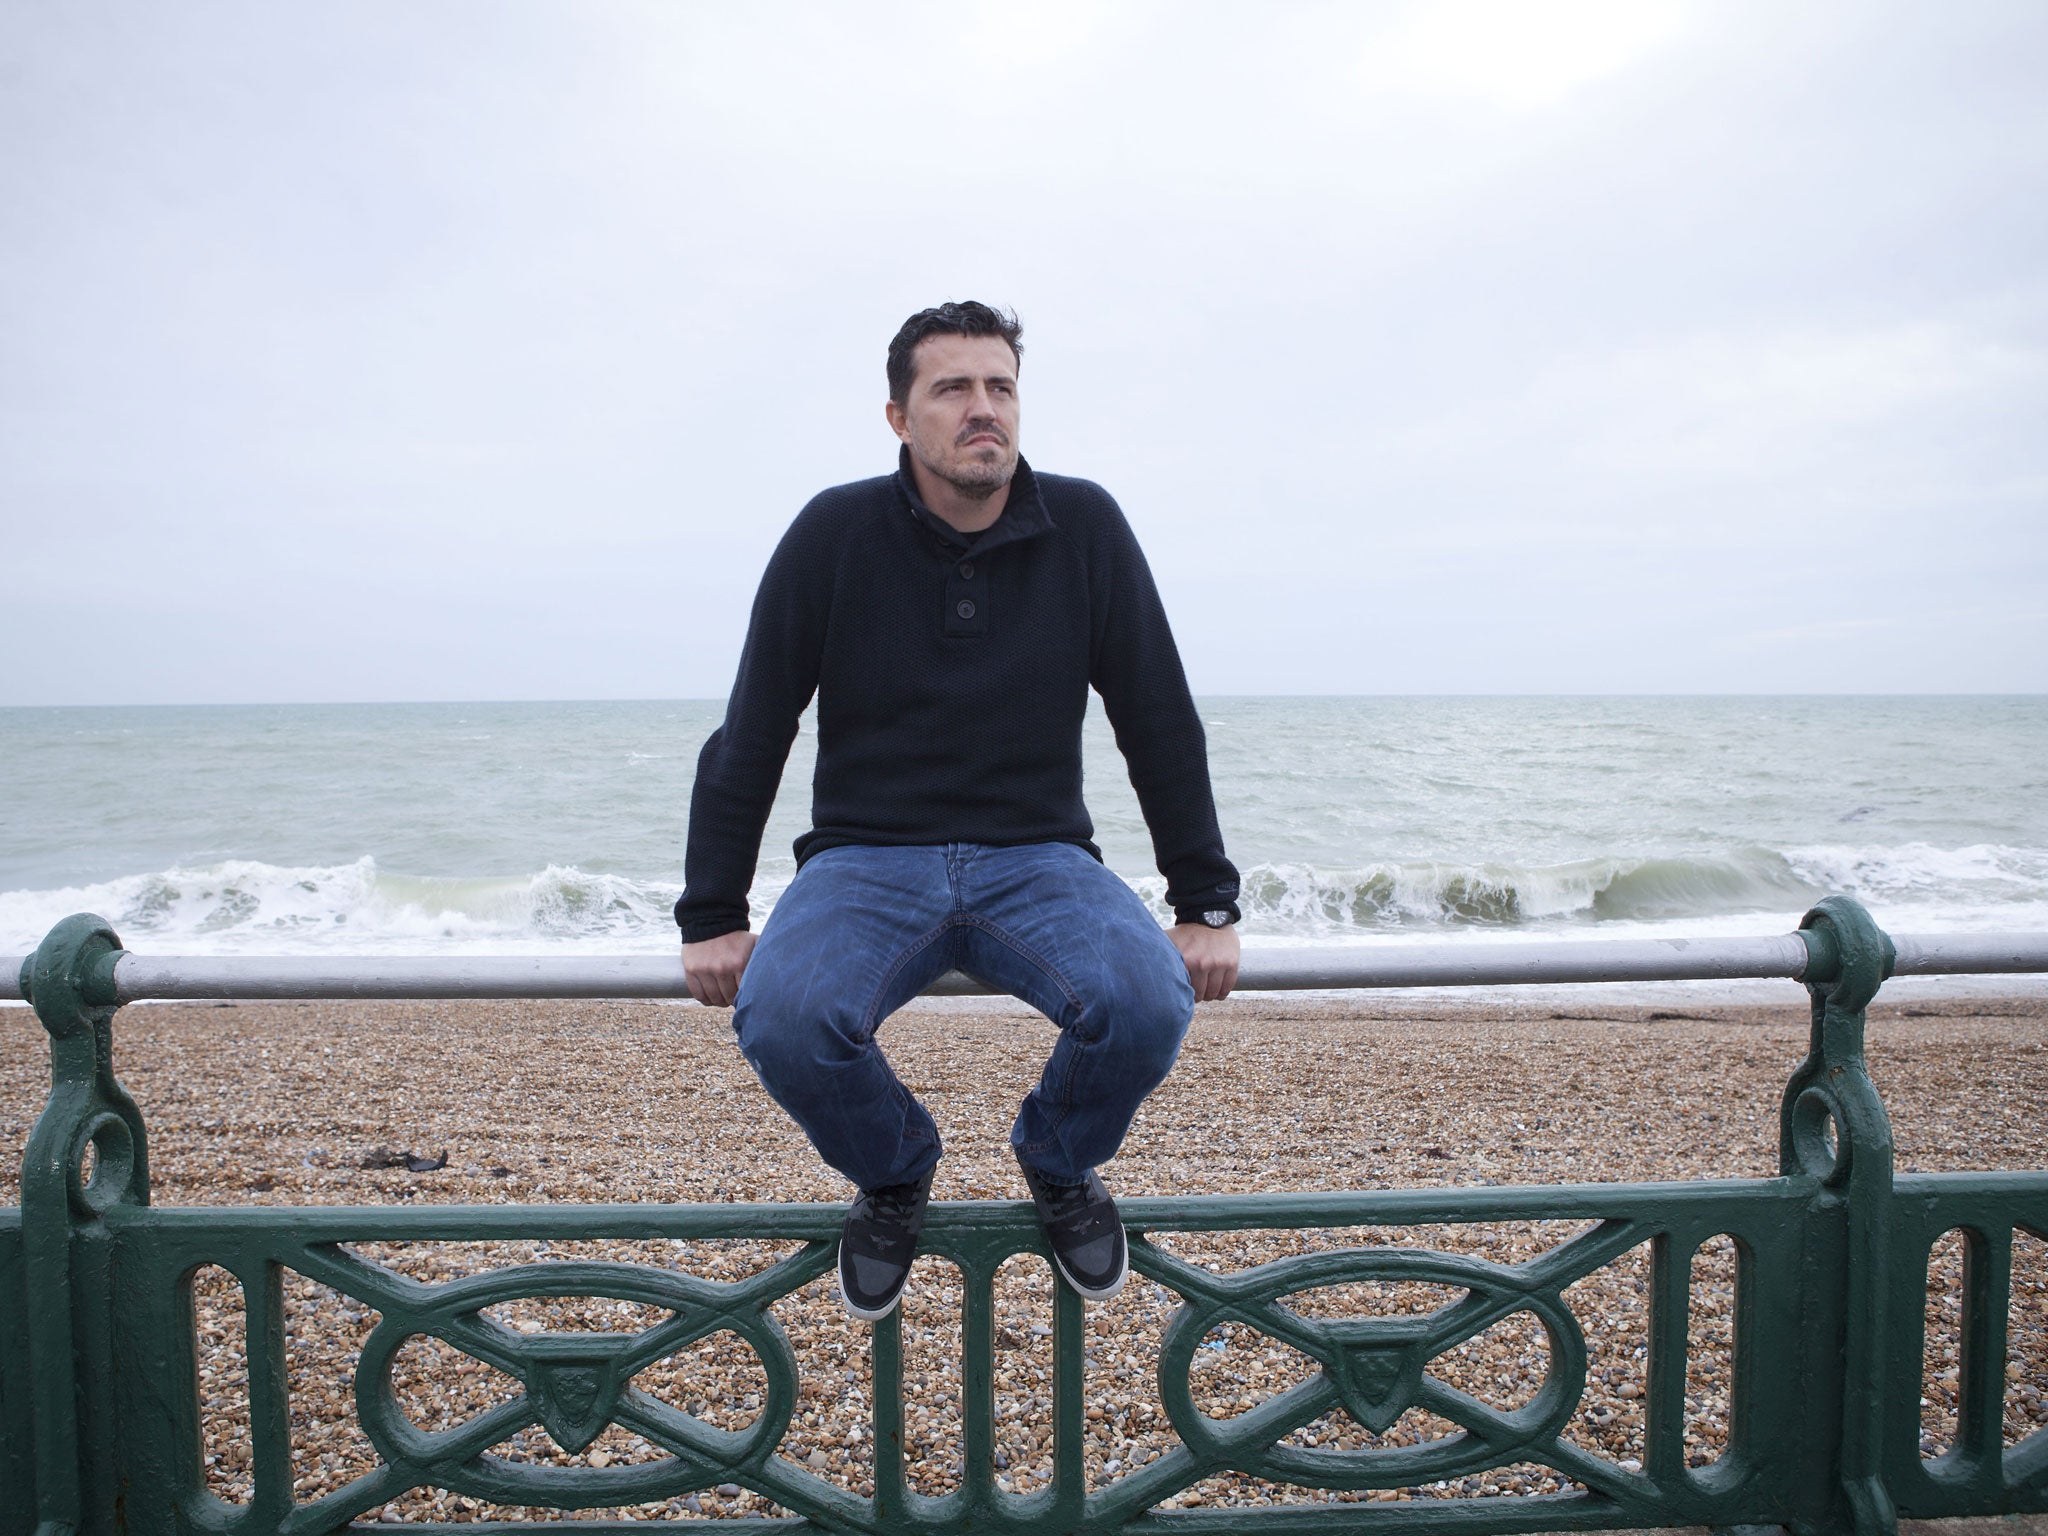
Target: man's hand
[(1211, 954), (713, 968)]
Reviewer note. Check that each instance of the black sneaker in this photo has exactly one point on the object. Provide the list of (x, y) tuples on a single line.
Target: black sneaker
[(877, 1244), (1086, 1234)]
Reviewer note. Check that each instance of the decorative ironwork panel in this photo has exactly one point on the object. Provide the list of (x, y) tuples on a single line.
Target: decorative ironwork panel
[(1372, 1368), (1981, 1473), (100, 1409)]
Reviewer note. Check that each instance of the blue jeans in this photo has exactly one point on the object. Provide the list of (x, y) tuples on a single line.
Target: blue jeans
[(863, 930)]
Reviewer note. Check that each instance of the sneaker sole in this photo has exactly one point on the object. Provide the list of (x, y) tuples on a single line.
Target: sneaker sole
[(868, 1315), (1083, 1291)]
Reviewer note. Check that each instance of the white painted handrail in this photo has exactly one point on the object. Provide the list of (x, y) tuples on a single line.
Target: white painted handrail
[(251, 977)]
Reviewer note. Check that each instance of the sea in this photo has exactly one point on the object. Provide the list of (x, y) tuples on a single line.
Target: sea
[(536, 828)]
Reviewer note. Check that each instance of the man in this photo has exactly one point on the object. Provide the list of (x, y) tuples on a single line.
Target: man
[(950, 619)]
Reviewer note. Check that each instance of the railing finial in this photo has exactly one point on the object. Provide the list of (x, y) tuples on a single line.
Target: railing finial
[(70, 982), (1833, 1128)]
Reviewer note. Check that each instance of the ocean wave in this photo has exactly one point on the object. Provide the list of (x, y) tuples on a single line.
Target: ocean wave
[(246, 906), (1312, 901)]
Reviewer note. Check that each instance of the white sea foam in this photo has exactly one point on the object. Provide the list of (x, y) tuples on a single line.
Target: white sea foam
[(1979, 874), (244, 906), (1981, 886)]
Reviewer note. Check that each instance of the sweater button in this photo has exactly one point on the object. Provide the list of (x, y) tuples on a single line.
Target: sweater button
[(965, 609), (967, 570)]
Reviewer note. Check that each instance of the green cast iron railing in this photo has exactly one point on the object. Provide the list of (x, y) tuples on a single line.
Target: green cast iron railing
[(99, 1394)]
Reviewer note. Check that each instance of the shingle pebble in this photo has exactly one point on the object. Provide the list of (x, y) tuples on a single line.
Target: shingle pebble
[(545, 1102)]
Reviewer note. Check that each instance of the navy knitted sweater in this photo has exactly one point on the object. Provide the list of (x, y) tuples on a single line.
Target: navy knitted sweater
[(952, 674)]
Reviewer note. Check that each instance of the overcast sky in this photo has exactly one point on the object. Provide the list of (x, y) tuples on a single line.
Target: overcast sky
[(463, 351)]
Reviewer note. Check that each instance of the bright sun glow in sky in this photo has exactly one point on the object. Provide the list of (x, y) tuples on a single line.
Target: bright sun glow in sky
[(1517, 54)]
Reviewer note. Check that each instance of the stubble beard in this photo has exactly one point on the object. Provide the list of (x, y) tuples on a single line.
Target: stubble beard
[(976, 479)]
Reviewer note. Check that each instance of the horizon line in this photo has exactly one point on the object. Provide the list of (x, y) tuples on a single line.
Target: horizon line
[(1603, 693)]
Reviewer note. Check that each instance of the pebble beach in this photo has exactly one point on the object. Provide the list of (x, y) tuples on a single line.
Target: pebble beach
[(623, 1102)]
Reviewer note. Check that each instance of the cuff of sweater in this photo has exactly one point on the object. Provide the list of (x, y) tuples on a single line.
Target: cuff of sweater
[(698, 926), (1216, 892)]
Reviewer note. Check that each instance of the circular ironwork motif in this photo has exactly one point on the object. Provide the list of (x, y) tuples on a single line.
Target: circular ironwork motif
[(575, 1384), (1375, 1368), (111, 1180)]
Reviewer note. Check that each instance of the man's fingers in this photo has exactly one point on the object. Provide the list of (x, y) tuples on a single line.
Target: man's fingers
[(713, 988), (1211, 959), (713, 968), (1212, 980)]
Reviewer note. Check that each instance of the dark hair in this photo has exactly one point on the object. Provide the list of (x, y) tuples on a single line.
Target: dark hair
[(948, 319)]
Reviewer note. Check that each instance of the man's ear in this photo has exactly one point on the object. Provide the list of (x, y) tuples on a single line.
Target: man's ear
[(899, 420)]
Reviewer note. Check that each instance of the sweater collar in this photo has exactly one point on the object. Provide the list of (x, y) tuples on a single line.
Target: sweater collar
[(1024, 515)]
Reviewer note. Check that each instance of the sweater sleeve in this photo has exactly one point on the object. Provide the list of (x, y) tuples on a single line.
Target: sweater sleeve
[(741, 762), (1136, 668)]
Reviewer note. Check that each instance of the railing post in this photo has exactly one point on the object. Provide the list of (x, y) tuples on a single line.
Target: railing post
[(66, 1245), (1833, 1129)]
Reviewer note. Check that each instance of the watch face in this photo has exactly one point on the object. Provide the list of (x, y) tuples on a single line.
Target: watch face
[(1216, 919)]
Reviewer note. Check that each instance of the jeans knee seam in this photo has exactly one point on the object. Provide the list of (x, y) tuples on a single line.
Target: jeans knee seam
[(1063, 1098)]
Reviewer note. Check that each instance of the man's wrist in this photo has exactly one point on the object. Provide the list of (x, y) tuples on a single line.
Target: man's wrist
[(704, 933), (1220, 914)]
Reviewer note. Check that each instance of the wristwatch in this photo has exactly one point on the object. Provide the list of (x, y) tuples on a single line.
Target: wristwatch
[(1219, 917)]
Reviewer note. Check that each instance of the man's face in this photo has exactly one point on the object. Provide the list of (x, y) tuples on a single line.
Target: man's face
[(960, 419)]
